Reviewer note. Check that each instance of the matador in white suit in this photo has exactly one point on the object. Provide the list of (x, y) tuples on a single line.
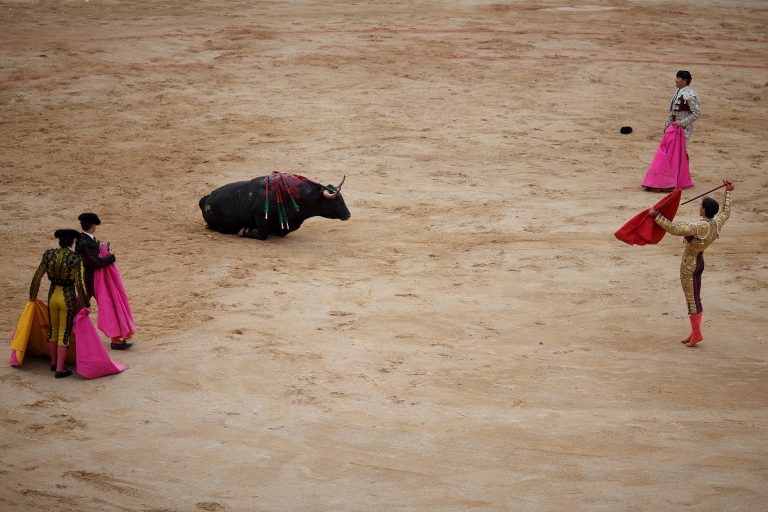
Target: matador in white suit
[(685, 106)]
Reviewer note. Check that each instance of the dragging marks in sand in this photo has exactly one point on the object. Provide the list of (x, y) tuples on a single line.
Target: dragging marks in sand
[(103, 482), (63, 426), (61, 500), (65, 495), (210, 506), (343, 320)]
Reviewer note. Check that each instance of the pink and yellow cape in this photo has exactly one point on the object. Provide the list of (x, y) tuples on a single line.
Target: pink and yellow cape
[(31, 339)]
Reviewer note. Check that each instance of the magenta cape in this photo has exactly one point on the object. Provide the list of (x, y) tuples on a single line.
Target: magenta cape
[(669, 168), (641, 229), (115, 317), (30, 339), (92, 358)]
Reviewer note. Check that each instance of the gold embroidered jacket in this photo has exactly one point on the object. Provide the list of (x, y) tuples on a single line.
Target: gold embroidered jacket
[(65, 269), (698, 235)]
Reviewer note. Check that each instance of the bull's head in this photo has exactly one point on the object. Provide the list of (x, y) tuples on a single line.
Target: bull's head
[(333, 206)]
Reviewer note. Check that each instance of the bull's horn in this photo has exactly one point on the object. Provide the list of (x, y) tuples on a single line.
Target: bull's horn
[(331, 192)]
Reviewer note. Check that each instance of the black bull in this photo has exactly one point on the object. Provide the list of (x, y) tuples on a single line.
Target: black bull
[(240, 207)]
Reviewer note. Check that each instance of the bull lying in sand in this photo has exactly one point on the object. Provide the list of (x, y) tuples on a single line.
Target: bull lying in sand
[(271, 205)]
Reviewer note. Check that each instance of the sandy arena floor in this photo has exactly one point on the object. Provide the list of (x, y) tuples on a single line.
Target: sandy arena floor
[(474, 338)]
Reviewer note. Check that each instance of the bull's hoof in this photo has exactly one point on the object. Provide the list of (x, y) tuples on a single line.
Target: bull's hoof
[(251, 233)]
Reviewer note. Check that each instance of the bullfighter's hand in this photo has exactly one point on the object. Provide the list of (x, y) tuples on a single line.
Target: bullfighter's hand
[(728, 185), (653, 212)]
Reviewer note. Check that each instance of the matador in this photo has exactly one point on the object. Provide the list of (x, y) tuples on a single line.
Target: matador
[(66, 273), (697, 237), (685, 107)]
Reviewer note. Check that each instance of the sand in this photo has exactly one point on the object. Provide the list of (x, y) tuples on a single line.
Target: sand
[(473, 338)]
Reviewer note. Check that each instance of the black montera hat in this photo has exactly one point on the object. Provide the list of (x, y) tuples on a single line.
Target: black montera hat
[(89, 218), (625, 130), (66, 233)]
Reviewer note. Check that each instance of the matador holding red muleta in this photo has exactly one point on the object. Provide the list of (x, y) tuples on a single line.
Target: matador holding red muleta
[(649, 227), (698, 236)]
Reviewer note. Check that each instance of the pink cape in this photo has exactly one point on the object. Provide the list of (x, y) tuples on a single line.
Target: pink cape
[(669, 168), (115, 317), (642, 229), (92, 358), (29, 338)]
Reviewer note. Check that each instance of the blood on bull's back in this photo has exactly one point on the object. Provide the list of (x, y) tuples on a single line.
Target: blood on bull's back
[(276, 204)]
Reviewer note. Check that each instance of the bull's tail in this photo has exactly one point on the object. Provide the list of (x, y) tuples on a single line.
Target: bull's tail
[(202, 202)]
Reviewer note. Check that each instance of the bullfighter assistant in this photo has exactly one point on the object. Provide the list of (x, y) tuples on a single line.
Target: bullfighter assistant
[(66, 273)]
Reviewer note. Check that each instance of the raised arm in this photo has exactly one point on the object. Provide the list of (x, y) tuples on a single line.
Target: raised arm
[(725, 211)]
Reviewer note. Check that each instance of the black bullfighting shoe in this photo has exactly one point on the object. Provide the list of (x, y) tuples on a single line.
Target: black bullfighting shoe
[(121, 346), (61, 375)]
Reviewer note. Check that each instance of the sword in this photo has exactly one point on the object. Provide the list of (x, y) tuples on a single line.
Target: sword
[(702, 195)]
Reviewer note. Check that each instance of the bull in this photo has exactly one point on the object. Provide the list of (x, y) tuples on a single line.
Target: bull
[(271, 205)]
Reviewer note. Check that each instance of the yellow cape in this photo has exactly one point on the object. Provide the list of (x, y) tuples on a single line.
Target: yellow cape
[(31, 336)]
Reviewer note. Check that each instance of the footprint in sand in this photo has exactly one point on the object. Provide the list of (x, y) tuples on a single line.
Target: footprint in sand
[(211, 506)]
